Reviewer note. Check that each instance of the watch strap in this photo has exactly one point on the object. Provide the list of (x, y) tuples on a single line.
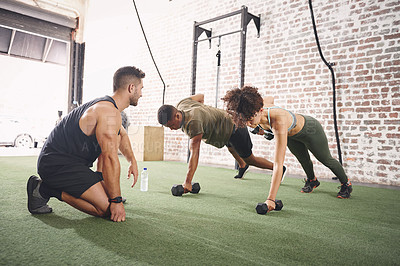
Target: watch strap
[(115, 200)]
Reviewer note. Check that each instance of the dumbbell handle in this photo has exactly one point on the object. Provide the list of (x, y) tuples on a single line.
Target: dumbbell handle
[(278, 204), (181, 187), (262, 208)]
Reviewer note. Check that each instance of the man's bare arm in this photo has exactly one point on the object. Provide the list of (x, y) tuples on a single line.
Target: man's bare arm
[(126, 149), (107, 127), (198, 98), (108, 124), (125, 146), (194, 147)]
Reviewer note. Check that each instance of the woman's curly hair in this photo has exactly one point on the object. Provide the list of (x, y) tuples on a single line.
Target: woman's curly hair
[(243, 104)]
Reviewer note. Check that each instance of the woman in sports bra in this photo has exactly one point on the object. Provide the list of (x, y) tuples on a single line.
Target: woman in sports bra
[(299, 133)]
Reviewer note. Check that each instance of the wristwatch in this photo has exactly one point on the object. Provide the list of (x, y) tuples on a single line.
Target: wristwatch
[(116, 200)]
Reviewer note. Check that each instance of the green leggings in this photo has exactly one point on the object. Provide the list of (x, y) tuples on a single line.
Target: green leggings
[(312, 138)]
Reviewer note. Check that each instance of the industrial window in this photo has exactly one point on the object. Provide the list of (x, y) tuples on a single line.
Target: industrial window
[(21, 44)]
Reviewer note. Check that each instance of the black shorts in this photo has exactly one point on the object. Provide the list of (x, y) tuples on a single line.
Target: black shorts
[(241, 142), (73, 179)]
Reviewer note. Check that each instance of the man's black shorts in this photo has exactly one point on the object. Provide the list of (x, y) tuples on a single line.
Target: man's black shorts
[(73, 179), (241, 142)]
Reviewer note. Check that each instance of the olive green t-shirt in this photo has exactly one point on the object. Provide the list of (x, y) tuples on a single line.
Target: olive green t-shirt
[(215, 124)]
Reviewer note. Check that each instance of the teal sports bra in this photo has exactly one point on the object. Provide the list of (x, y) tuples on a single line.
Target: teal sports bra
[(293, 116)]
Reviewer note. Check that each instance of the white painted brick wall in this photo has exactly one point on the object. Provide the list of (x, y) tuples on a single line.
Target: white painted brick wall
[(361, 37)]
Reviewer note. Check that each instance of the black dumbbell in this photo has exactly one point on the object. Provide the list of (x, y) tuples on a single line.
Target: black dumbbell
[(262, 208), (177, 190), (195, 188), (268, 134)]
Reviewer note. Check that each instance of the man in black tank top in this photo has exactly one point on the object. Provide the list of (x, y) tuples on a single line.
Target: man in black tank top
[(89, 132)]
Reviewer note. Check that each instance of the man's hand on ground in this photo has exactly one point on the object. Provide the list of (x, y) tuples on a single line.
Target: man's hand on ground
[(187, 187), (117, 212), (271, 205)]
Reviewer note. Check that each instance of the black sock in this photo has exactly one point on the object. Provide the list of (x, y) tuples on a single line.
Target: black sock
[(48, 192)]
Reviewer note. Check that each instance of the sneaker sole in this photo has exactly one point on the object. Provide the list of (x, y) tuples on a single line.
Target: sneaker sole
[(240, 177), (235, 177), (284, 174), (28, 189), (340, 197), (311, 190)]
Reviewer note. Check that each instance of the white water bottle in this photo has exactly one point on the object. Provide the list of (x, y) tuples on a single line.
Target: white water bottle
[(144, 180)]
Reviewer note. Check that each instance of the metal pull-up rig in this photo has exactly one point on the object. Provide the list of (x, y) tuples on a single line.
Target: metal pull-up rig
[(246, 17)]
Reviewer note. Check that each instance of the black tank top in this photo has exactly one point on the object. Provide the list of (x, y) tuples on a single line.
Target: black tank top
[(67, 144)]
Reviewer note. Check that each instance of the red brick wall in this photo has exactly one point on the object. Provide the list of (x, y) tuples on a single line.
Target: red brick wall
[(362, 38)]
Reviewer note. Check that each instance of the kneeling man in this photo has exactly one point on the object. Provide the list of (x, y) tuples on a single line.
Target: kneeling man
[(89, 132)]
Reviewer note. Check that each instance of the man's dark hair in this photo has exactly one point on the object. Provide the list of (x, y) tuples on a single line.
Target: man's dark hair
[(124, 76), (165, 114), (243, 104)]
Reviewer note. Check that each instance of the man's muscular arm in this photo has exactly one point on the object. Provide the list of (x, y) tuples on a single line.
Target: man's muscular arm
[(194, 147), (126, 149), (107, 127)]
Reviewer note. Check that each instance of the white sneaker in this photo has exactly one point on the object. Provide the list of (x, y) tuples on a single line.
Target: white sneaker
[(284, 173)]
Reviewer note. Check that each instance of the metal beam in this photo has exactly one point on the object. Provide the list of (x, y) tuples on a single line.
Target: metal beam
[(219, 36), (243, 28), (197, 31), (23, 23), (194, 58), (76, 75), (11, 41), (38, 13), (246, 17), (218, 18), (47, 47)]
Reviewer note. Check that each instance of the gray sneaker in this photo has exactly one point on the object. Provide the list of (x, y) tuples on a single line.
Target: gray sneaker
[(36, 203), (345, 190), (310, 185)]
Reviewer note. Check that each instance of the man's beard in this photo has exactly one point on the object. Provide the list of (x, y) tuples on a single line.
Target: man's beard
[(133, 101)]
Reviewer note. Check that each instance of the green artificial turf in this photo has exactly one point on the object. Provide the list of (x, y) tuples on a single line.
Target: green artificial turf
[(218, 226)]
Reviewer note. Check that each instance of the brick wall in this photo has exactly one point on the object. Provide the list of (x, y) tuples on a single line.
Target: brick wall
[(362, 38)]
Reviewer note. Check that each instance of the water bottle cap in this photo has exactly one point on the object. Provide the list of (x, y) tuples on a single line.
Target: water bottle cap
[(145, 168)]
